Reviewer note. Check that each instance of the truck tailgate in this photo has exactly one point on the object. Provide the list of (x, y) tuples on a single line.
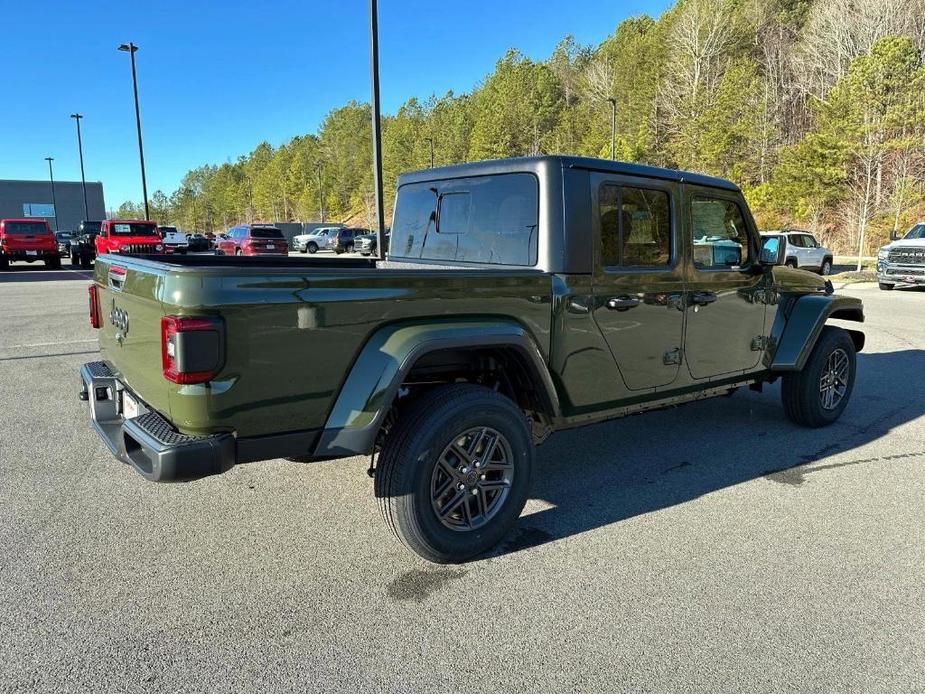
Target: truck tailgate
[(130, 340)]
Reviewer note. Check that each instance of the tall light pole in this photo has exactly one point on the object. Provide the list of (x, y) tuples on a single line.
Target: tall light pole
[(431, 141), (377, 124), (613, 127), (131, 48), (54, 201), (320, 167), (80, 150)]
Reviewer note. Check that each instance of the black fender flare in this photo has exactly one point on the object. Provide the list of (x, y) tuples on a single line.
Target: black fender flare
[(385, 360), (796, 330)]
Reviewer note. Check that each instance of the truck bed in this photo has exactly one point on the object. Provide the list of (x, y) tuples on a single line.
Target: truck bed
[(293, 327)]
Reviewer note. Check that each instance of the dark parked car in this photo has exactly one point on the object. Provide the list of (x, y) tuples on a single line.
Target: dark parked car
[(64, 239), (521, 297), (198, 243), (367, 243), (83, 246), (343, 240)]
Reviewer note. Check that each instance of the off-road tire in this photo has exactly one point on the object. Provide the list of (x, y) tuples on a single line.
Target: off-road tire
[(312, 248), (409, 455), (800, 390), (885, 286)]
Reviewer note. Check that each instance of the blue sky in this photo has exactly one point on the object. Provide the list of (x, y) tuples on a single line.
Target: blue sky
[(216, 78)]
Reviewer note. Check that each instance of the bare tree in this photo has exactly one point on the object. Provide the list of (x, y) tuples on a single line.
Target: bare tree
[(701, 38), (838, 31)]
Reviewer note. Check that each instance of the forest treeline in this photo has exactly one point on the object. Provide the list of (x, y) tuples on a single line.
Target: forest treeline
[(816, 108)]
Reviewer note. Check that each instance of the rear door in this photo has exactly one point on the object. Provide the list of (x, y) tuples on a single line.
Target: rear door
[(638, 279), (814, 252), (725, 296)]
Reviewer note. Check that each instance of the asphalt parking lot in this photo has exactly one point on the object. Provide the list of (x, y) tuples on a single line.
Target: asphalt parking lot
[(712, 547)]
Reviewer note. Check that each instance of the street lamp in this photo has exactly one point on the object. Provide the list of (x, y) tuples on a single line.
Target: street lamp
[(613, 127), (377, 124), (131, 48), (54, 201), (80, 149), (431, 141)]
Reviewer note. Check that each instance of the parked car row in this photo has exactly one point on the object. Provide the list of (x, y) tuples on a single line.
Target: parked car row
[(32, 239)]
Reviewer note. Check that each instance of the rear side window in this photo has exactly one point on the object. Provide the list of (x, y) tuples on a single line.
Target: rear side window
[(635, 227), (266, 233), (490, 220), (24, 228)]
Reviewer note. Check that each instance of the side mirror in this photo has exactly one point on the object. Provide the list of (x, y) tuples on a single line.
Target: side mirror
[(772, 251), (894, 235)]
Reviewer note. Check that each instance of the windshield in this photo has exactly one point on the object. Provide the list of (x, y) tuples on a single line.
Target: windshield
[(24, 228), (916, 232), (266, 233), (133, 229)]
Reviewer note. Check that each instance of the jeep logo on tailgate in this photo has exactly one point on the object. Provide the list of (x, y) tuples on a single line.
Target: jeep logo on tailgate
[(119, 318)]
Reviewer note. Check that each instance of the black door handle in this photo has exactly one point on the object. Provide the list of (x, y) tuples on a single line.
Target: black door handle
[(622, 303), (703, 298)]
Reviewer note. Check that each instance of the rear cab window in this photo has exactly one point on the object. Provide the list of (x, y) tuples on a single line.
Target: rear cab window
[(22, 228), (485, 220), (266, 233)]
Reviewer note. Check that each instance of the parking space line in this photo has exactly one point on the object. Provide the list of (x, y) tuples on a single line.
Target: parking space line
[(48, 344)]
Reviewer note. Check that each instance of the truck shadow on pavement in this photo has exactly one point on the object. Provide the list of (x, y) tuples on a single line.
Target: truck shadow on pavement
[(38, 273), (597, 476)]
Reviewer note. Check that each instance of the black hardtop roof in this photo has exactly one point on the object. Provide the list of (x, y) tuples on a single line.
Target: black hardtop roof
[(521, 164)]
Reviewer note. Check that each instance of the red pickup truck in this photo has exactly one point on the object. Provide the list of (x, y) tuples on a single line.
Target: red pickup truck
[(128, 236), (29, 240)]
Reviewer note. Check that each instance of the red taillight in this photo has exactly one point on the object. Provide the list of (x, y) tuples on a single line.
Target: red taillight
[(192, 349), (96, 320)]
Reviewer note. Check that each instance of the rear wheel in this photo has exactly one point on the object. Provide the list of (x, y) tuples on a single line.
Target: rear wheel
[(312, 248), (885, 286), (454, 473), (75, 257), (4, 262), (53, 262), (817, 395)]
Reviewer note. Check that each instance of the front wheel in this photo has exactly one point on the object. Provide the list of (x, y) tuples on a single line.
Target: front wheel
[(826, 268), (454, 473), (312, 248), (885, 286), (818, 394)]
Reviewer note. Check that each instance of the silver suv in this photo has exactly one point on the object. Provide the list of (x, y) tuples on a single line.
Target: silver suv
[(804, 251), (902, 261), (315, 240)]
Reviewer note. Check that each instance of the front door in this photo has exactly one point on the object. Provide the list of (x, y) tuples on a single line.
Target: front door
[(725, 295), (638, 282)]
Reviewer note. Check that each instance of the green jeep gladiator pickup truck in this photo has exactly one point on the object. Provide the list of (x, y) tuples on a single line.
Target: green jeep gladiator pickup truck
[(520, 297)]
